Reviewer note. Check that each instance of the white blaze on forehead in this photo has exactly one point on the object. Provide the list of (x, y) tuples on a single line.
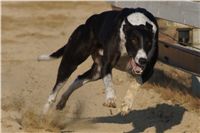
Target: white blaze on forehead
[(140, 18)]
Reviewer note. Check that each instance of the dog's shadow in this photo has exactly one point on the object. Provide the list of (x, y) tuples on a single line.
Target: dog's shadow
[(162, 79), (162, 117)]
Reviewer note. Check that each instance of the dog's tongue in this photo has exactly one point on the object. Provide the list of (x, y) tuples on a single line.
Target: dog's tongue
[(135, 68)]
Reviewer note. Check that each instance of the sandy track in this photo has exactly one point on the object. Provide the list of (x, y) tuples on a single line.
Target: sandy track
[(33, 28)]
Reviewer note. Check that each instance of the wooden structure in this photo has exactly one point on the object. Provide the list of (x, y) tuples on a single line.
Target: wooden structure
[(185, 12)]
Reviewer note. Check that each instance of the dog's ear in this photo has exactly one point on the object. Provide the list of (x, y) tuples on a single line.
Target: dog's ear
[(149, 69), (127, 26), (152, 57), (149, 26)]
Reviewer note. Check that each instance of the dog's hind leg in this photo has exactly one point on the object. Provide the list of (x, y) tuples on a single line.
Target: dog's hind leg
[(52, 96), (63, 74), (91, 75), (67, 67), (76, 51)]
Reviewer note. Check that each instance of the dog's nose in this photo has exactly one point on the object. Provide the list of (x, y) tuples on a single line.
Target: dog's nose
[(142, 61)]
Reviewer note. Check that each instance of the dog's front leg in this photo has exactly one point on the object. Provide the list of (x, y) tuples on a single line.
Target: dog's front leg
[(109, 91), (127, 103), (107, 79), (111, 56)]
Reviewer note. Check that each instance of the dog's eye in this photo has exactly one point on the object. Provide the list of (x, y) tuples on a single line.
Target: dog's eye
[(134, 40), (149, 45)]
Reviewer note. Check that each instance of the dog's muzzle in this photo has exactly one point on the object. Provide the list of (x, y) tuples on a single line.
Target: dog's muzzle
[(137, 68)]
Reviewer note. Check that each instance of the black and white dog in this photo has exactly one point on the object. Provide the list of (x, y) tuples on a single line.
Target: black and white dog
[(126, 40)]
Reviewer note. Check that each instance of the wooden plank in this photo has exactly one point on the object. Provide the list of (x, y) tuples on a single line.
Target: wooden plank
[(186, 12), (184, 58)]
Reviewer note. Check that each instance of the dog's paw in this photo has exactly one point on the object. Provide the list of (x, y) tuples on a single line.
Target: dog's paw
[(125, 108), (60, 105), (110, 102), (127, 103), (49, 104), (46, 108)]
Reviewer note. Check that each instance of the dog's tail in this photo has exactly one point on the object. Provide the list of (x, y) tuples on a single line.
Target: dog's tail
[(55, 55)]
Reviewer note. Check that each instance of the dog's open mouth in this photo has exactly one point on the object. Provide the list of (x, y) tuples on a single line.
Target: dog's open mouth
[(134, 67)]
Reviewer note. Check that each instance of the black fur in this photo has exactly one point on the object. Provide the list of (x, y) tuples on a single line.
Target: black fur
[(101, 31)]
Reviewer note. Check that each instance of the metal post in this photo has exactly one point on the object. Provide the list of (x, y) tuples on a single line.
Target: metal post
[(196, 79)]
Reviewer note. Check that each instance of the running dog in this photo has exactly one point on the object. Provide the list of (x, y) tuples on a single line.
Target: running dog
[(125, 39)]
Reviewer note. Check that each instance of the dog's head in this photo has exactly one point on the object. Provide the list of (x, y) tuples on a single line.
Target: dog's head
[(140, 40)]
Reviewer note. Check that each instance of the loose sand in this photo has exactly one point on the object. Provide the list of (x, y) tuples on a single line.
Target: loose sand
[(33, 28)]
